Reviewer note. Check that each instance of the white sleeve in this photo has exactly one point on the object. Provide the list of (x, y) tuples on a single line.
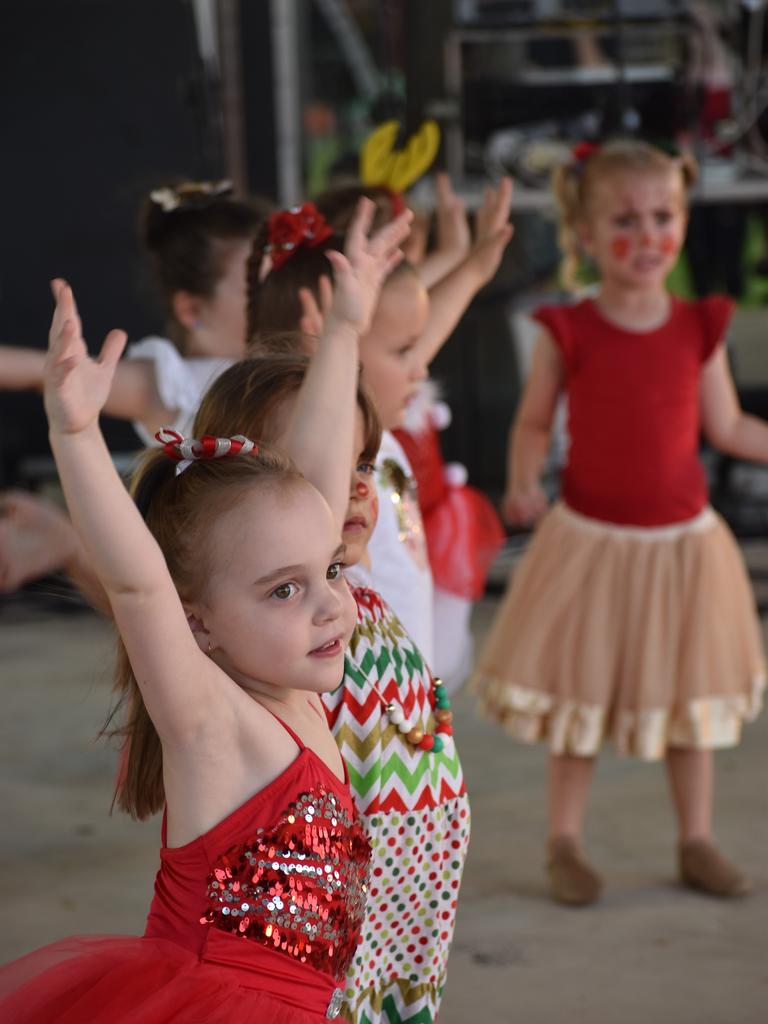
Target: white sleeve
[(181, 383), (397, 547)]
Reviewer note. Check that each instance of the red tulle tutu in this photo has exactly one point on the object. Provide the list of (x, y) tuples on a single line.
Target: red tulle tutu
[(463, 531), (115, 979), (463, 537)]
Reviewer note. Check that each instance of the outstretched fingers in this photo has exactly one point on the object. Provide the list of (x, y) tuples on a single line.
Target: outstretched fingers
[(342, 267), (66, 307), (314, 313), (112, 349), (356, 239), (493, 214), (389, 238), (326, 294), (311, 321), (503, 202)]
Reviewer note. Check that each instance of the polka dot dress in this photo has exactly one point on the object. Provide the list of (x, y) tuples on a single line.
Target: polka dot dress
[(416, 813)]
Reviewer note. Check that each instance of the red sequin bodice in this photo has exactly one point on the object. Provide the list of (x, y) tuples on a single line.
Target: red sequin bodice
[(298, 887), (283, 875)]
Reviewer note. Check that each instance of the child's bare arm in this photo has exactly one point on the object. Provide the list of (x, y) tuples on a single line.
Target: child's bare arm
[(449, 298), (133, 396), (21, 369), (321, 431), (524, 500), (724, 424), (175, 678)]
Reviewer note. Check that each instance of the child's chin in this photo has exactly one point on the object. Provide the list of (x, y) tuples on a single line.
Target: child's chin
[(354, 547)]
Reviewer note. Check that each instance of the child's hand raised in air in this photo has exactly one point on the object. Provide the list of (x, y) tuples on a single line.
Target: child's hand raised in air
[(314, 313), (358, 273), (75, 385), (492, 229), (451, 224)]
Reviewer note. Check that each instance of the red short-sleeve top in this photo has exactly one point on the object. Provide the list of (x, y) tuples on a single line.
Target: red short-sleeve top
[(633, 410)]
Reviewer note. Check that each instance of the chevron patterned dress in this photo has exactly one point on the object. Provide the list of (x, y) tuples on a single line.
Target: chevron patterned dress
[(416, 813)]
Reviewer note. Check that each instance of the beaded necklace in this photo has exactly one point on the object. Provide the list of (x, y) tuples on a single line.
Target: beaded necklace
[(437, 741)]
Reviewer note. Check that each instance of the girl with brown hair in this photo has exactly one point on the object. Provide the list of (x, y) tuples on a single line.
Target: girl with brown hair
[(228, 595)]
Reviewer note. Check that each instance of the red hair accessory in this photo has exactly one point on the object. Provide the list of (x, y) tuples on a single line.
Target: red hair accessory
[(186, 450), (582, 151), (397, 201), (287, 230)]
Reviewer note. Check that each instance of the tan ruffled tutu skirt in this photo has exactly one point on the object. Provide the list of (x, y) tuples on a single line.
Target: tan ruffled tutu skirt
[(647, 635)]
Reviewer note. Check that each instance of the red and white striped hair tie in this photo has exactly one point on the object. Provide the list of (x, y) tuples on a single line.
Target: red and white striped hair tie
[(186, 450)]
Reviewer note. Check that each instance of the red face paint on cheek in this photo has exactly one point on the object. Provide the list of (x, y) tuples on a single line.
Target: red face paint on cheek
[(668, 245), (620, 248)]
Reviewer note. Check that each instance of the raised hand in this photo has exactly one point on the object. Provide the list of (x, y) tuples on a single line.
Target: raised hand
[(364, 266), (415, 245), (452, 226), (492, 229), (314, 313), (75, 386)]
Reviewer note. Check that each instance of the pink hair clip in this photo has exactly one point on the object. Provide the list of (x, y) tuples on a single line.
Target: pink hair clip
[(186, 450)]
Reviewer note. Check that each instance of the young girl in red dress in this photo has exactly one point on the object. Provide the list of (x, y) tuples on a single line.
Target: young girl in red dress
[(631, 614), (234, 617)]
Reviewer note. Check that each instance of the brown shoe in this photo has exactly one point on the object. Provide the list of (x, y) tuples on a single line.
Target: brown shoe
[(572, 879), (703, 867)]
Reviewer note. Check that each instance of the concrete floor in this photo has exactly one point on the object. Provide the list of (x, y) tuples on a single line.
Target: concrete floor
[(650, 951)]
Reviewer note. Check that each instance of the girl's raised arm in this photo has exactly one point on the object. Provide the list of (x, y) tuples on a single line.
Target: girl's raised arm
[(133, 395), (452, 294), (172, 672), (21, 369), (454, 239), (321, 432)]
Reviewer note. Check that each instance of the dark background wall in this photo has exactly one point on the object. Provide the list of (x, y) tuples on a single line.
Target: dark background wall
[(101, 100)]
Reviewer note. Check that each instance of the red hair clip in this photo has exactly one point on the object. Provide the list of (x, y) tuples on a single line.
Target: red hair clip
[(582, 151), (186, 450), (397, 201), (288, 230)]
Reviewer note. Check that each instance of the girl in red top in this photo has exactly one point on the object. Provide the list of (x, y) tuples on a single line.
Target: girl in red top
[(225, 583), (631, 614)]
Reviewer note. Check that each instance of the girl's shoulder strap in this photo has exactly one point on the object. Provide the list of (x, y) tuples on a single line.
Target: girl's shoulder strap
[(294, 736)]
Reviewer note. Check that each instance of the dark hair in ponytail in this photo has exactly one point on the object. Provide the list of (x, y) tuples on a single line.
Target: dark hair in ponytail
[(189, 230)]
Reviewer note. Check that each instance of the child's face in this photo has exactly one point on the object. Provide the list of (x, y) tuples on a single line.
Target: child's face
[(223, 315), (363, 507), (391, 361), (277, 609), (636, 227)]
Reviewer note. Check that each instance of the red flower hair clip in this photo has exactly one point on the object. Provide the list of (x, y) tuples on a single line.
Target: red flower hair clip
[(288, 230), (186, 450), (582, 151)]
